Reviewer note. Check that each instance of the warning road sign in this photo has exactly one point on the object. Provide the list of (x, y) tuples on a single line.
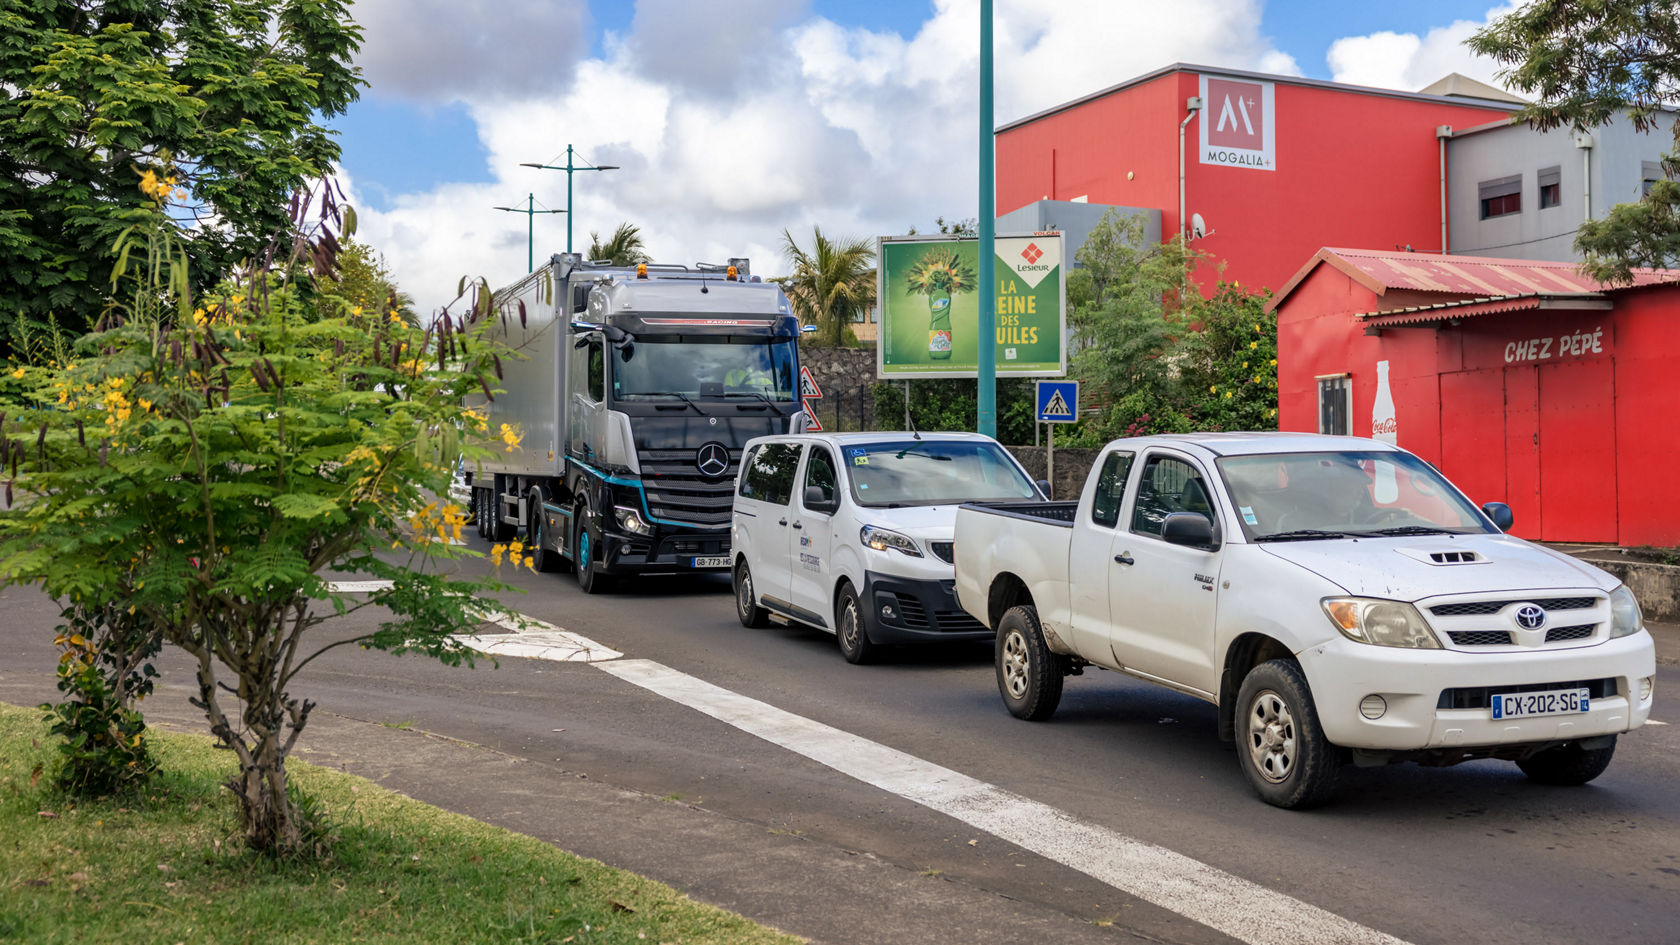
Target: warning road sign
[(1058, 401), (807, 386), (812, 424)]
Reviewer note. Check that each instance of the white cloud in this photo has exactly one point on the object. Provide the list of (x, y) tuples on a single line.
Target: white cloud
[(445, 50), (735, 121), (1407, 61)]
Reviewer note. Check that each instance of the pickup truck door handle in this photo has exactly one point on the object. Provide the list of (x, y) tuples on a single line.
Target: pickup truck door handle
[(1123, 559)]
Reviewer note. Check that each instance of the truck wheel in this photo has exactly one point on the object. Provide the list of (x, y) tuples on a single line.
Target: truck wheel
[(586, 543), (1029, 676), (542, 558), (1280, 745), (481, 512), (1567, 764), (746, 599), (849, 630)]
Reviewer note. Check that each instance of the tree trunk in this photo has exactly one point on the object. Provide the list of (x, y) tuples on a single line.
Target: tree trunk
[(265, 810)]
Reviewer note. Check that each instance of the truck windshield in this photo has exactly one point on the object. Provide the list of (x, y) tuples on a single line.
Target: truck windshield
[(932, 472), (705, 367), (1302, 496)]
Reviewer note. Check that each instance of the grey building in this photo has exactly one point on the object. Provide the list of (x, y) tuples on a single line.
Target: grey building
[(1517, 193), (1075, 219)]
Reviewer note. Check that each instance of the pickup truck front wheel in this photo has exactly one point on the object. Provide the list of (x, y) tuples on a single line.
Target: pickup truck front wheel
[(1029, 675), (1280, 745)]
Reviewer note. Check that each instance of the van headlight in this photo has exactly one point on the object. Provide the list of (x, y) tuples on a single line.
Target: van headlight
[(1625, 617), (1381, 622), (883, 539), (631, 521)]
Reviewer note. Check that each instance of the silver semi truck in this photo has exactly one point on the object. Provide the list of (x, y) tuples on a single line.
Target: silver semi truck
[(632, 390)]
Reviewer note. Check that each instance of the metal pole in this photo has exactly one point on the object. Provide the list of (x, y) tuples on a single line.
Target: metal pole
[(906, 403), (568, 199), (1050, 460), (530, 230), (987, 373)]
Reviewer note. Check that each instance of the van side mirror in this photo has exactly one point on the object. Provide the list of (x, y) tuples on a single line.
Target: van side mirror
[(1500, 514), (1187, 528), (818, 499)]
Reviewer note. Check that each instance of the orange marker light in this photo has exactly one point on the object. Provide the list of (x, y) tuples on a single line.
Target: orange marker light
[(733, 274), (641, 270)]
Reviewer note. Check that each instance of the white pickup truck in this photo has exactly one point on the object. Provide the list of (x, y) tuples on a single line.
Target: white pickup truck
[(1335, 597)]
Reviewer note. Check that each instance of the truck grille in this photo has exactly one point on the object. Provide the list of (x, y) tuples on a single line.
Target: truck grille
[(1482, 607), (677, 492), (1476, 697)]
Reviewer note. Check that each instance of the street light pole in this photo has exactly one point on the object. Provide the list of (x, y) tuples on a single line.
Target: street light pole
[(987, 368), (571, 168), (531, 212)]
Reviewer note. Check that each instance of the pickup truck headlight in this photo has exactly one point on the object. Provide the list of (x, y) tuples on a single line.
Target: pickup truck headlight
[(882, 539), (1381, 622), (1625, 616)]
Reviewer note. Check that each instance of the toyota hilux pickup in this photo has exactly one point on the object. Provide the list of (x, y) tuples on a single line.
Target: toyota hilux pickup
[(1336, 598)]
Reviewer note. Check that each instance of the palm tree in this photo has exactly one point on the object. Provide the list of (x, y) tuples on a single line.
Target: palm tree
[(832, 284), (624, 249)]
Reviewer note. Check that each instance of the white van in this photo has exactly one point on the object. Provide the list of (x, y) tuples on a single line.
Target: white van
[(851, 532)]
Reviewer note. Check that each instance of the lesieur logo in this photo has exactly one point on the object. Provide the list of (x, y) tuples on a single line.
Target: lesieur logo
[(1032, 253)]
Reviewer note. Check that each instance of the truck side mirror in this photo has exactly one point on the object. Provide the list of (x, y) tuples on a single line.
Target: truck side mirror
[(1187, 528), (1500, 514), (1043, 487)]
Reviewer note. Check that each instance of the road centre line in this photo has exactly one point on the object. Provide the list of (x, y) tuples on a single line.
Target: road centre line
[(1205, 894)]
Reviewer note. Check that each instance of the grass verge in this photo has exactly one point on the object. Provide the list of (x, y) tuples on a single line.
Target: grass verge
[(167, 866)]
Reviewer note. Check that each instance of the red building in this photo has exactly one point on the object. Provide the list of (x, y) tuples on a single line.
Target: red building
[(1276, 166), (1524, 381)]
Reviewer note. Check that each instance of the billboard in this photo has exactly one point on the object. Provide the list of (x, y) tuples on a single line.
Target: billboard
[(930, 309)]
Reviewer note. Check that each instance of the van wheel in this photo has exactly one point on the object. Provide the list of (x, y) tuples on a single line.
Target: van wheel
[(1280, 745), (1029, 676), (586, 544), (849, 631), (746, 599), (1567, 764)]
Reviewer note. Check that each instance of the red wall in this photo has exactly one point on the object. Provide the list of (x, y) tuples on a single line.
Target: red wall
[(1567, 416), (1353, 169)]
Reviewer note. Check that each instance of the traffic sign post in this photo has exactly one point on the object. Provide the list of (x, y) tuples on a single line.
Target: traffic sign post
[(1058, 402)]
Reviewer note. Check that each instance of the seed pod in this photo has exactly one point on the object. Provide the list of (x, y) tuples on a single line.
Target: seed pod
[(257, 372), (497, 360), (521, 312), (41, 444), (487, 394), (338, 347), (81, 437), (273, 375)]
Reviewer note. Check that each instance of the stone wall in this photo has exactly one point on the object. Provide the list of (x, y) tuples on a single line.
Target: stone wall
[(1072, 466), (845, 376)]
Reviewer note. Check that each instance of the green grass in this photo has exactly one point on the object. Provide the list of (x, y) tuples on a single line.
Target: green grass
[(167, 866)]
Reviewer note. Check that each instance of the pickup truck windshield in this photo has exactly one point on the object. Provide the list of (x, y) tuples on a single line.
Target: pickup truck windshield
[(1311, 496), (704, 367), (932, 472)]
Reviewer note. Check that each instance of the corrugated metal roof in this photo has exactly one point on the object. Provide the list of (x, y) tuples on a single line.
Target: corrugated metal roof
[(1462, 276), (1470, 308)]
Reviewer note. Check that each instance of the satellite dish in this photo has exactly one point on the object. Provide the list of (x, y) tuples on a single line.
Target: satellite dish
[(1198, 227)]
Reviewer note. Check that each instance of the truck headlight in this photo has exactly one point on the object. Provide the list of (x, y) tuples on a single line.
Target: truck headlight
[(1625, 617), (1380, 622), (631, 521), (882, 539)]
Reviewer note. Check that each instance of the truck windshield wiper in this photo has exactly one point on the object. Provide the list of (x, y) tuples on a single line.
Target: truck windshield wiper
[(1302, 534), (748, 393), (672, 393), (1414, 530)]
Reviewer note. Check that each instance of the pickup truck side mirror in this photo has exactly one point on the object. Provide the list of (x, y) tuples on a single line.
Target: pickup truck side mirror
[(1187, 528), (818, 499), (1044, 487), (1501, 515)]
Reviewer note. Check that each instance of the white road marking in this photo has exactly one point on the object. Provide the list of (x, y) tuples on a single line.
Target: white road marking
[(357, 587), (538, 640), (1654, 722), (1229, 904)]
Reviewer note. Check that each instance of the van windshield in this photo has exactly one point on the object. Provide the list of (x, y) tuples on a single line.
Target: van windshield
[(932, 472), (707, 367), (1299, 496)]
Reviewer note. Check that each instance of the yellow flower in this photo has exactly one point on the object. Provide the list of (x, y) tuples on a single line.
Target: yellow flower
[(1214, 389), (1254, 344), (1245, 364), (1274, 362), (149, 183), (1227, 393), (356, 310), (18, 372)]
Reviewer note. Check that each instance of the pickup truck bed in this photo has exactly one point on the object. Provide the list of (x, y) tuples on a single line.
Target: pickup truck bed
[(1052, 513)]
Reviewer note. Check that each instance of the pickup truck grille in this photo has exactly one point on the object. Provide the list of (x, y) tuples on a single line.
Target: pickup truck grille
[(677, 492), (1476, 697), (1482, 607)]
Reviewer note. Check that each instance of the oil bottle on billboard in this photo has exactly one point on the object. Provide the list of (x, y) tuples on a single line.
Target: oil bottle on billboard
[(939, 274)]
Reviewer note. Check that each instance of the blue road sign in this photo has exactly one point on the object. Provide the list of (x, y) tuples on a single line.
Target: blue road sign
[(1058, 401)]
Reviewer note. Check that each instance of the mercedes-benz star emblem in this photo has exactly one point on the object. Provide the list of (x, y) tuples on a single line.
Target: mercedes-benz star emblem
[(1531, 617), (712, 459)]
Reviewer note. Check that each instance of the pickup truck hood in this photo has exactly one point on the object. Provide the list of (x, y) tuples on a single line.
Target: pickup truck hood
[(1401, 568)]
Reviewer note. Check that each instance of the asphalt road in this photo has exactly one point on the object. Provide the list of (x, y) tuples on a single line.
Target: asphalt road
[(1473, 853)]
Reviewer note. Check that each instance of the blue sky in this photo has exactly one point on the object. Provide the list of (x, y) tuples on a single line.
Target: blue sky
[(737, 119)]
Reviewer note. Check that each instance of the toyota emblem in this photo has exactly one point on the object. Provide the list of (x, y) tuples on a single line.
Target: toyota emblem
[(1531, 617), (712, 460)]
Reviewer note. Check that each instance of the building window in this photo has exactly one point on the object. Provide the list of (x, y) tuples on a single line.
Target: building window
[(1653, 172), (1551, 190), (1501, 197), (1335, 404)]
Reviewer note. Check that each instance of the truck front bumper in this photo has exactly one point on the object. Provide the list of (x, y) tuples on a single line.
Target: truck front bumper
[(666, 553), (909, 610), (1439, 699)]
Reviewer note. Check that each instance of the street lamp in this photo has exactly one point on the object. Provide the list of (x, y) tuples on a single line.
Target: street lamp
[(530, 210), (570, 168)]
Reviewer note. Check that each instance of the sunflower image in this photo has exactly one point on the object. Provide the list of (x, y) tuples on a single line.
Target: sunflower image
[(938, 274)]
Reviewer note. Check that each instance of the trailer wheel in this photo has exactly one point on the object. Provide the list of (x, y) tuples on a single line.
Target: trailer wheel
[(499, 530), (481, 511), (586, 543)]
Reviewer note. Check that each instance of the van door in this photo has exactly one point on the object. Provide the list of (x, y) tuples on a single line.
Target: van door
[(762, 515), (1090, 558), (812, 534), (1163, 597)]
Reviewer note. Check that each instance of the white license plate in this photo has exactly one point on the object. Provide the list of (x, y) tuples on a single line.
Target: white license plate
[(1518, 705), (721, 561)]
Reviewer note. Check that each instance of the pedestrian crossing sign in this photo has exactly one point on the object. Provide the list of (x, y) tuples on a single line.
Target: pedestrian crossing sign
[(1058, 401)]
